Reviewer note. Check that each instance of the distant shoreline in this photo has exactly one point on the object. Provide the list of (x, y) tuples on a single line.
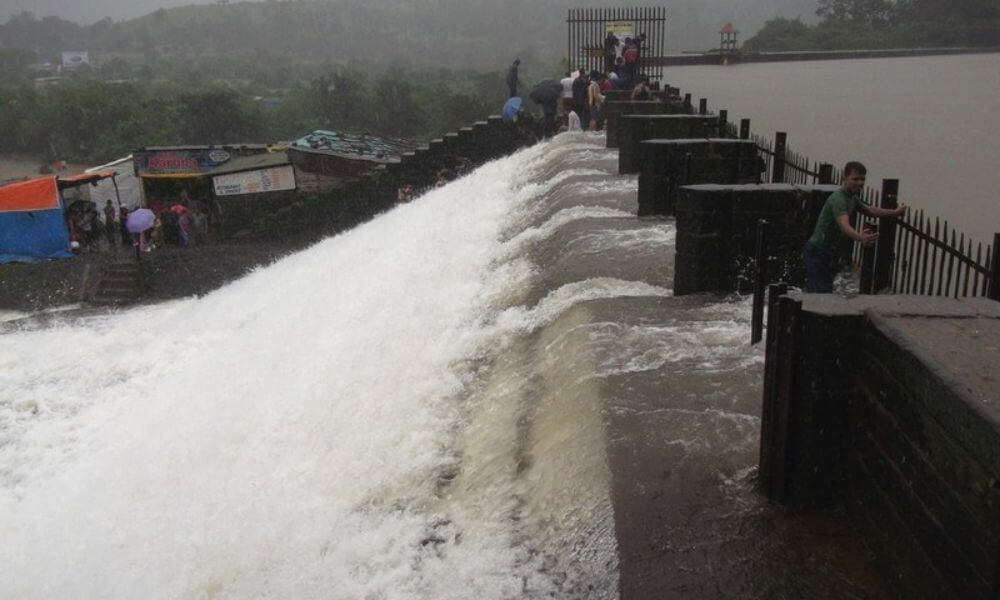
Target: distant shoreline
[(714, 58)]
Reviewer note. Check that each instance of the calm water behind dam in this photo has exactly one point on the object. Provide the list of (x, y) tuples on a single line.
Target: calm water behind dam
[(486, 393), (933, 122)]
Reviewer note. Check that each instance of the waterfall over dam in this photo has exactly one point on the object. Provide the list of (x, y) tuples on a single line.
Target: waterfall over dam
[(488, 392)]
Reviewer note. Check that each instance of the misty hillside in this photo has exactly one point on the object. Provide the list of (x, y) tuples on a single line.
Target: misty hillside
[(452, 33)]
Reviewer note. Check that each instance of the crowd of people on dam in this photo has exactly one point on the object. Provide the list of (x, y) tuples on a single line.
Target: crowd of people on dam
[(582, 101), (180, 222)]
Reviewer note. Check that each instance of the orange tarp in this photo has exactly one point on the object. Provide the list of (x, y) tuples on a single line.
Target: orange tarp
[(36, 194)]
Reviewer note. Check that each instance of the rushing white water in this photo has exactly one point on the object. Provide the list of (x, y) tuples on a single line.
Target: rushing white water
[(406, 410)]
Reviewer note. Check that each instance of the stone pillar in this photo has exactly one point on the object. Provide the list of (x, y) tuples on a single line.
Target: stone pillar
[(633, 129), (873, 404), (615, 108), (717, 229), (665, 165)]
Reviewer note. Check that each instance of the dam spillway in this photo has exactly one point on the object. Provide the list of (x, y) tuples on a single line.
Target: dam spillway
[(488, 392)]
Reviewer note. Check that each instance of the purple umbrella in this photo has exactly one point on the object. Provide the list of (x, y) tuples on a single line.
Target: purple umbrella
[(140, 220)]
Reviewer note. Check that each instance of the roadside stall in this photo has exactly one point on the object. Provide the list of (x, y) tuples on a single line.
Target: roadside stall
[(33, 217)]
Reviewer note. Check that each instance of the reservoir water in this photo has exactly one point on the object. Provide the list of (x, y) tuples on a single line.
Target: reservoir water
[(933, 122), (489, 392)]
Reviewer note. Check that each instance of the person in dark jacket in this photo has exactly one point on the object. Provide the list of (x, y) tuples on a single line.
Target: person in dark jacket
[(610, 51), (580, 85), (512, 79)]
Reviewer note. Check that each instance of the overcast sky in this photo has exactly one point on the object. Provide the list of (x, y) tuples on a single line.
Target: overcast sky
[(88, 11), (692, 24)]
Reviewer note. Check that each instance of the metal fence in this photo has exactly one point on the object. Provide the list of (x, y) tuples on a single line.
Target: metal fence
[(588, 28), (915, 254)]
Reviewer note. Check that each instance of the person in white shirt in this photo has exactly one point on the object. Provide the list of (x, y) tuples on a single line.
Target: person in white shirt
[(567, 93)]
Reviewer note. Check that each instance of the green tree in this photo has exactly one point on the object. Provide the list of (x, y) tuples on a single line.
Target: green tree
[(780, 35), (216, 117), (395, 111), (876, 14), (339, 99)]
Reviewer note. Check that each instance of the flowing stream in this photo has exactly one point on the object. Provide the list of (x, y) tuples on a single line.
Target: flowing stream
[(428, 406)]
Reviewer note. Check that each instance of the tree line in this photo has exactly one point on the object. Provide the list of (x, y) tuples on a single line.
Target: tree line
[(872, 24), (88, 119)]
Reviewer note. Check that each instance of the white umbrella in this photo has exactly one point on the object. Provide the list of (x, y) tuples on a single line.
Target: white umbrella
[(140, 220)]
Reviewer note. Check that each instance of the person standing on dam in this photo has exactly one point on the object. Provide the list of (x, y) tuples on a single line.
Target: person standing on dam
[(512, 78), (832, 237)]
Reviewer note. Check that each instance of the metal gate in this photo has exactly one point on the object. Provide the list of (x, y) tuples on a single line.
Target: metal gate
[(588, 28)]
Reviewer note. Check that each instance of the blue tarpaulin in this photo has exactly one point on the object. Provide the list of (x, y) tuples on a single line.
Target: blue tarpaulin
[(32, 222)]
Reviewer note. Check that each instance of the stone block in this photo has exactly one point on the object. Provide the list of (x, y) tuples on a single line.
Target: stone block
[(634, 128), (613, 109)]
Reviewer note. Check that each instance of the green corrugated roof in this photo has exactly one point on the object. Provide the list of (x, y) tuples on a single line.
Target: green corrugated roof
[(363, 146)]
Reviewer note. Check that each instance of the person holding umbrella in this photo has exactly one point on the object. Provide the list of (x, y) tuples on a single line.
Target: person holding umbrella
[(510, 109), (547, 93), (139, 221)]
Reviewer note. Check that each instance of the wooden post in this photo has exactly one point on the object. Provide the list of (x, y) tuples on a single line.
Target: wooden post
[(759, 281), (885, 257), (744, 129), (687, 104), (825, 173), (994, 291), (703, 106), (778, 169), (723, 122)]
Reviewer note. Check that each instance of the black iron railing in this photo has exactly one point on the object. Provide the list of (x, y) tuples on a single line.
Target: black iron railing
[(915, 254), (588, 28)]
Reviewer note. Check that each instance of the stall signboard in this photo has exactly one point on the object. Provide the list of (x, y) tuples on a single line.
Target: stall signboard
[(255, 182), (621, 30), (156, 162)]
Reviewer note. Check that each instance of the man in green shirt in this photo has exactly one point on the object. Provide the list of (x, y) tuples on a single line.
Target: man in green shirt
[(834, 234)]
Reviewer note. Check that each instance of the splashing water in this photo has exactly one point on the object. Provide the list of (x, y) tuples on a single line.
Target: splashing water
[(391, 413)]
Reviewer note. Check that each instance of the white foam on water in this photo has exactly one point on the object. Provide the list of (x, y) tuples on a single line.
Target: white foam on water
[(522, 319), (562, 217), (279, 437), (637, 241)]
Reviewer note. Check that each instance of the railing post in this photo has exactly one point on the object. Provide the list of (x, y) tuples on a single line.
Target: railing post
[(825, 173), (703, 106), (867, 283), (723, 122), (778, 172), (994, 291), (759, 281), (767, 420), (744, 129), (885, 256), (687, 104)]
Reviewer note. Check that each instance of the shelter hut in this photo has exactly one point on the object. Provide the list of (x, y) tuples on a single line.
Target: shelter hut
[(728, 43), (124, 186), (165, 171), (324, 160), (33, 217)]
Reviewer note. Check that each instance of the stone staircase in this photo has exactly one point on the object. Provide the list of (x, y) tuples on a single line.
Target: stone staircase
[(121, 283)]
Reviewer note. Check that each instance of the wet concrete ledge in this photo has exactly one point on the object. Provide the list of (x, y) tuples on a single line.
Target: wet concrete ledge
[(889, 406)]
